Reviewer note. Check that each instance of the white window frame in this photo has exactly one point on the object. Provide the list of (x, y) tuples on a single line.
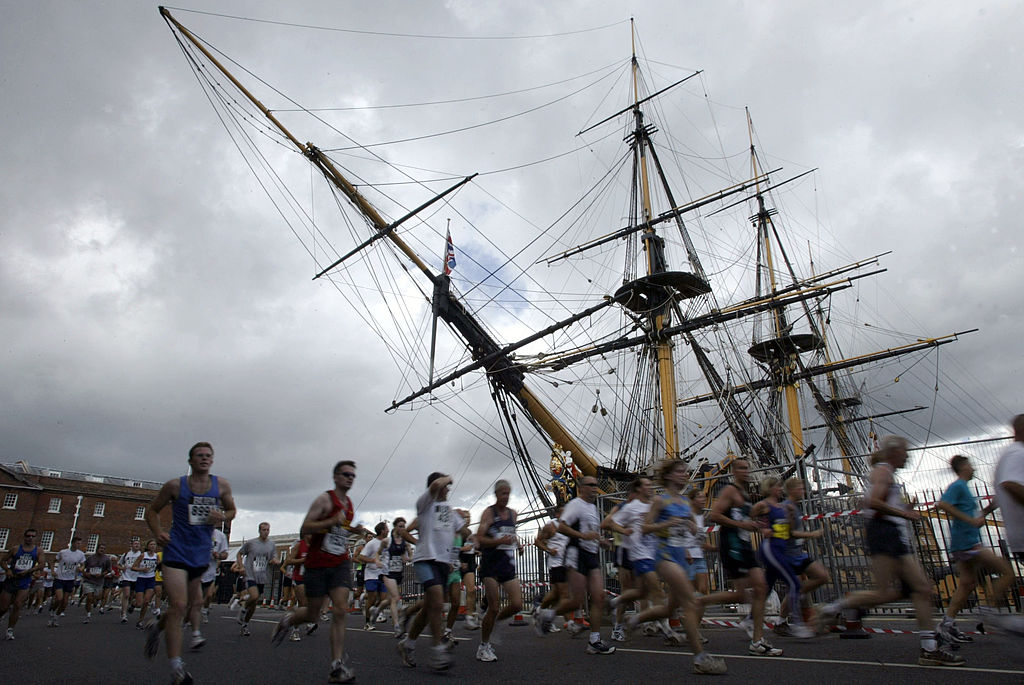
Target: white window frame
[(5, 535), (54, 507), (140, 513), (10, 500), (46, 541), (94, 543), (99, 509)]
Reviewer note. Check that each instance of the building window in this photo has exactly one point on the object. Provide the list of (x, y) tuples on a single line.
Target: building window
[(53, 474), (54, 506), (140, 514), (99, 509), (5, 533), (10, 500), (94, 542), (46, 542)]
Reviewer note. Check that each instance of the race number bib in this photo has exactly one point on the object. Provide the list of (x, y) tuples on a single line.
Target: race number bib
[(677, 536), (95, 570), (335, 541), (259, 564), (395, 564), (507, 530), (442, 516), (24, 563), (199, 509)]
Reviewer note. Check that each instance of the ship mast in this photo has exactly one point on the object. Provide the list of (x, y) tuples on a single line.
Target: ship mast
[(654, 247)]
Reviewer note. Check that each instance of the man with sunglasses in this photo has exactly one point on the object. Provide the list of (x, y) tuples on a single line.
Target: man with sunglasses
[(20, 564), (581, 523), (328, 566)]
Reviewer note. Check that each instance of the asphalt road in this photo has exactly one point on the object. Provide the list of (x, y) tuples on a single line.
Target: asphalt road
[(106, 649)]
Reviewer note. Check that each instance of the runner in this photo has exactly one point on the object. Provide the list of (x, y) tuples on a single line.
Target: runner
[(110, 584), (145, 579), (37, 591), (637, 551), (968, 554), (812, 573), (259, 554), (467, 566), (580, 522), (218, 553), (696, 544), (19, 564), (496, 537), (887, 534), (296, 559), (772, 551), (67, 564), (328, 566), (128, 576), (199, 502), (553, 544), (432, 561), (1009, 488), (97, 567), (399, 554), (731, 511), (670, 517), (373, 557), (454, 593)]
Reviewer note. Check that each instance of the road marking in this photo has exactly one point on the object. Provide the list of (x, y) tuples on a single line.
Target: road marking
[(848, 662)]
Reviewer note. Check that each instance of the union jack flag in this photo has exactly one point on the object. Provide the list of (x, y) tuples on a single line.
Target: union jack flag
[(449, 254)]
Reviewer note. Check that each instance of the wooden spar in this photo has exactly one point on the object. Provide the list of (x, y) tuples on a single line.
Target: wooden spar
[(474, 335)]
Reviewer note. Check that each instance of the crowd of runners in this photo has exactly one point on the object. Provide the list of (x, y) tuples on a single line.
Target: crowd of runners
[(661, 559)]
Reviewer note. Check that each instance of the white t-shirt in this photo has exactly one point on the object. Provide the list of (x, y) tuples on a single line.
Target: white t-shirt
[(218, 544), (67, 563), (1011, 469), (370, 550), (582, 516), (632, 515), (128, 560), (694, 542), (436, 529)]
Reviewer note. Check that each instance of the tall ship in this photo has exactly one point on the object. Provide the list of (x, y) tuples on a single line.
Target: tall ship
[(669, 309)]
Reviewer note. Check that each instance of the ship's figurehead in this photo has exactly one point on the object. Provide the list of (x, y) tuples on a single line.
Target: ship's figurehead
[(564, 474)]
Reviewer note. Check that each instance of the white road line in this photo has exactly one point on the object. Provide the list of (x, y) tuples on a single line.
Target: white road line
[(848, 662)]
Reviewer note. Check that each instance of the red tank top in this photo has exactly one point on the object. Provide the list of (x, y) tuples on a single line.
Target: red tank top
[(297, 570), (330, 548)]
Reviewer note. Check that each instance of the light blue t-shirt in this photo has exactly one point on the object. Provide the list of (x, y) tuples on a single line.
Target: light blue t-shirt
[(962, 535)]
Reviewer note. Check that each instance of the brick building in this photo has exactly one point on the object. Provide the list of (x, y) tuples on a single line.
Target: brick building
[(105, 509)]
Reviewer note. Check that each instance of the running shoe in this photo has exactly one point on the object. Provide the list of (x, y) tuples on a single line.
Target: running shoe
[(340, 673), (763, 648), (245, 632), (485, 652), (294, 637), (705, 664), (374, 612), (280, 630), (574, 628), (543, 622), (747, 624), (801, 631), (152, 644), (441, 659), (206, 615), (650, 630), (1008, 623), (311, 628), (618, 634), (448, 639), (940, 657), (783, 629), (233, 604), (181, 677), (138, 625), (369, 626), (88, 617), (472, 622), (10, 634), (124, 619), (406, 652), (599, 647), (197, 643), (325, 617)]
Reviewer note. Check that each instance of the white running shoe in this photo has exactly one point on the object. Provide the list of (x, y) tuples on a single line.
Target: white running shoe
[(472, 622), (10, 634), (747, 624), (485, 652), (294, 637), (763, 648)]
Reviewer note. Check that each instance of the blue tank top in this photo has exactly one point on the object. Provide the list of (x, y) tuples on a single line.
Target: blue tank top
[(675, 536), (23, 561), (778, 521), (190, 532)]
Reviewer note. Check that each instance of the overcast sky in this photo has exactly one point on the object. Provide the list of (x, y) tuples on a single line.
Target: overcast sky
[(151, 295)]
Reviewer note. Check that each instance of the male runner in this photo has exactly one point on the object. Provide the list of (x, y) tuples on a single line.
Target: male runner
[(373, 556), (67, 564), (328, 566), (128, 578), (580, 522), (1009, 487), (19, 564), (296, 559), (97, 566), (553, 544), (496, 538), (199, 502), (432, 559), (259, 556)]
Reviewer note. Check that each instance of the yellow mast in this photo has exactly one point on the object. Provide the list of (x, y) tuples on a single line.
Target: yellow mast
[(663, 349), (787, 355)]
